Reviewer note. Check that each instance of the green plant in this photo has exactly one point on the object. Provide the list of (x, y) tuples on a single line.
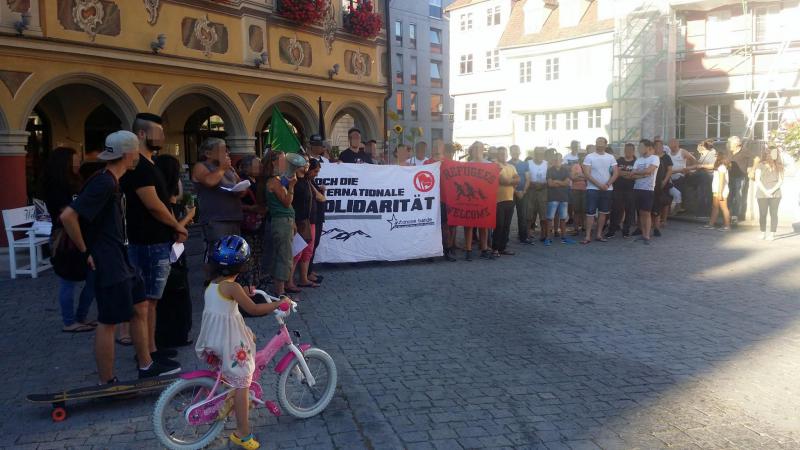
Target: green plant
[(787, 138)]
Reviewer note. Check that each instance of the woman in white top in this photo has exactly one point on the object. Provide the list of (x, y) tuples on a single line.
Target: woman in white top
[(769, 178), (719, 193)]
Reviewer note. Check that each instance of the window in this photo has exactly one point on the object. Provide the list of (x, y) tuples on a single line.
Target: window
[(495, 109), (493, 16), (466, 64), (437, 106), (471, 111), (680, 122), (436, 74), (768, 120), (525, 72), (718, 32), (550, 121), (492, 59), (766, 25), (436, 41), (551, 69), (413, 105), (595, 118), (398, 103), (398, 69), (413, 71), (437, 133), (572, 120), (435, 8), (398, 33), (530, 122), (466, 22), (412, 35), (718, 121), (680, 28)]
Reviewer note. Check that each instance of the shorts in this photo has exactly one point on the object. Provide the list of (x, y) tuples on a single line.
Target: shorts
[(115, 302), (598, 201), (644, 199), (214, 231), (561, 207), (577, 198), (537, 203), (282, 231), (152, 263), (661, 199)]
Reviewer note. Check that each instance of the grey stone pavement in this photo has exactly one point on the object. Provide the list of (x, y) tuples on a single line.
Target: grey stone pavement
[(691, 342)]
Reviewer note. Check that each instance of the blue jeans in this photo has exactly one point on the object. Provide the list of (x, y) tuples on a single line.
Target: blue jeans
[(66, 298)]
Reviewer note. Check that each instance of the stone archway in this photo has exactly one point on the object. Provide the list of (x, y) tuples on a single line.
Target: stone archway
[(182, 113), (300, 115), (353, 114)]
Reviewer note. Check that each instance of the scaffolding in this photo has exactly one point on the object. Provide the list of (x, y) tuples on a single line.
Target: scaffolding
[(643, 89)]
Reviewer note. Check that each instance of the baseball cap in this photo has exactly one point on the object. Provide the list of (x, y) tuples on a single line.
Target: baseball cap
[(117, 144), (315, 140)]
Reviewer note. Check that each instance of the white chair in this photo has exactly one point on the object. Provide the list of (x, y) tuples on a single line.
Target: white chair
[(21, 220)]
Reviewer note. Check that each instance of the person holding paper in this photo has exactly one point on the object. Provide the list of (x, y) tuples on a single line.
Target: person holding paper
[(220, 209), (280, 194), (305, 212)]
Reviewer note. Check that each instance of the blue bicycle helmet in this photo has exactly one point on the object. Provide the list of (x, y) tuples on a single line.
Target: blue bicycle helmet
[(231, 250)]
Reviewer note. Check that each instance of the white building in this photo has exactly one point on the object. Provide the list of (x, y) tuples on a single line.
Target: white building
[(541, 77)]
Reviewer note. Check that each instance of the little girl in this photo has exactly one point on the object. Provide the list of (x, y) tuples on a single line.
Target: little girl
[(224, 337)]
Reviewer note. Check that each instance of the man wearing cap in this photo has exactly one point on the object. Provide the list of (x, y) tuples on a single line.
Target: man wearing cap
[(354, 154), (95, 222), (152, 226), (317, 148)]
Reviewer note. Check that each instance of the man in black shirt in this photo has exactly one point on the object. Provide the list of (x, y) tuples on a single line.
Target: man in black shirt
[(623, 202), (153, 228), (95, 222), (662, 200), (354, 154)]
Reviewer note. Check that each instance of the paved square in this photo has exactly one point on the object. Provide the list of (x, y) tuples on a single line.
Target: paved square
[(691, 342)]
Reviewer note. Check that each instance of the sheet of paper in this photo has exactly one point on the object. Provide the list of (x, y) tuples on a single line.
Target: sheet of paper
[(176, 252), (298, 244), (238, 187)]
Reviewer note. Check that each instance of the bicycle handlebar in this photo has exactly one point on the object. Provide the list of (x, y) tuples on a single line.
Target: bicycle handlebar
[(283, 310)]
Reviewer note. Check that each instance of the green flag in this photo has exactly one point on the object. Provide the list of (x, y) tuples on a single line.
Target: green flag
[(281, 137)]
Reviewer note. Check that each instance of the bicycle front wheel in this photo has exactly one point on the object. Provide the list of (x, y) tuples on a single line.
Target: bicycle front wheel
[(169, 416), (295, 395)]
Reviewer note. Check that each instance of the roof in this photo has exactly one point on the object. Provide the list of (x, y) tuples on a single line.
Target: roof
[(457, 4), (514, 34)]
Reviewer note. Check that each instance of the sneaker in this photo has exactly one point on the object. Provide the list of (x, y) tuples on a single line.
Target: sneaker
[(610, 234), (637, 232), (448, 255), (708, 227), (771, 236), (764, 236), (567, 241), (548, 242), (626, 235), (528, 242), (467, 255), (656, 232), (157, 369), (724, 229), (162, 359)]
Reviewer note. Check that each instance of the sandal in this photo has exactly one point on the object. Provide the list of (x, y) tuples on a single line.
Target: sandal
[(308, 285), (124, 340), (585, 241), (293, 290), (77, 327), (316, 278), (601, 239)]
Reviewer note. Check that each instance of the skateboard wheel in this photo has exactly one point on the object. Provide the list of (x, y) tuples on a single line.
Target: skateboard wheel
[(59, 414)]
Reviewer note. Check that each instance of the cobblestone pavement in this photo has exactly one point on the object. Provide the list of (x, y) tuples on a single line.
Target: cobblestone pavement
[(691, 342)]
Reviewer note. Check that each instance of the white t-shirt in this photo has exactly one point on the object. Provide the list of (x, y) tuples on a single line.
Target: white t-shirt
[(571, 159), (414, 161), (538, 171), (602, 169), (647, 183)]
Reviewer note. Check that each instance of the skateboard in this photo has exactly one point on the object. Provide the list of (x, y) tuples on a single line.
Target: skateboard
[(121, 388)]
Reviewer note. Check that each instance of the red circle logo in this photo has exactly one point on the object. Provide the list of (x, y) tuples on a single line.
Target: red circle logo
[(424, 181)]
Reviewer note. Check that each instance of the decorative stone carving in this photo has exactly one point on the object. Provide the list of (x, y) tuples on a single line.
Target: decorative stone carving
[(205, 32), (256, 39), (248, 99), (294, 52), (329, 26), (19, 6), (13, 80), (152, 7), (147, 91), (88, 15), (357, 63)]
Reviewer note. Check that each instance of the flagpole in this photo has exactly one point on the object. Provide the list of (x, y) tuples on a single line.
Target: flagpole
[(321, 120)]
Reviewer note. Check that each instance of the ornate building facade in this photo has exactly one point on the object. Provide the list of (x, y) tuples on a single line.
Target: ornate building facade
[(74, 70)]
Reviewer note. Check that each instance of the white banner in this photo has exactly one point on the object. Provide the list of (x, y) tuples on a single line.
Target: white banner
[(380, 213)]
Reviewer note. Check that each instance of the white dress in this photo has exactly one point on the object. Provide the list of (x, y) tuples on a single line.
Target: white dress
[(225, 335), (720, 174)]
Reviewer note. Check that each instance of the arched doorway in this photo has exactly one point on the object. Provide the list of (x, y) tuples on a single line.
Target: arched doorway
[(191, 117), (300, 117), (100, 123), (352, 115)]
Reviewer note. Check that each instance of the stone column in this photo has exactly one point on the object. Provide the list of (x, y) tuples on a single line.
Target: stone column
[(14, 193)]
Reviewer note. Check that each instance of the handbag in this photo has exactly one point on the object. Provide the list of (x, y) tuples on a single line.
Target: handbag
[(251, 221), (68, 262)]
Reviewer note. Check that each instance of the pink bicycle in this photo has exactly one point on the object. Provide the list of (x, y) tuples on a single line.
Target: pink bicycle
[(191, 412)]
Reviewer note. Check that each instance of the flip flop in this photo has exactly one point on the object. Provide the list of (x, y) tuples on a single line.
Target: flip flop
[(77, 328), (317, 278), (125, 341), (91, 323), (585, 241), (309, 285)]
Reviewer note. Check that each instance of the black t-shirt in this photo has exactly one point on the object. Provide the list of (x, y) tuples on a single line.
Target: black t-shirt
[(320, 216), (558, 194), (57, 196), (740, 162), (625, 166), (100, 208), (143, 228), (665, 163), (89, 168), (303, 201), (349, 156)]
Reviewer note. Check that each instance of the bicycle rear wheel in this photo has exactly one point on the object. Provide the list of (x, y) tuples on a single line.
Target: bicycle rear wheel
[(295, 395), (169, 416)]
